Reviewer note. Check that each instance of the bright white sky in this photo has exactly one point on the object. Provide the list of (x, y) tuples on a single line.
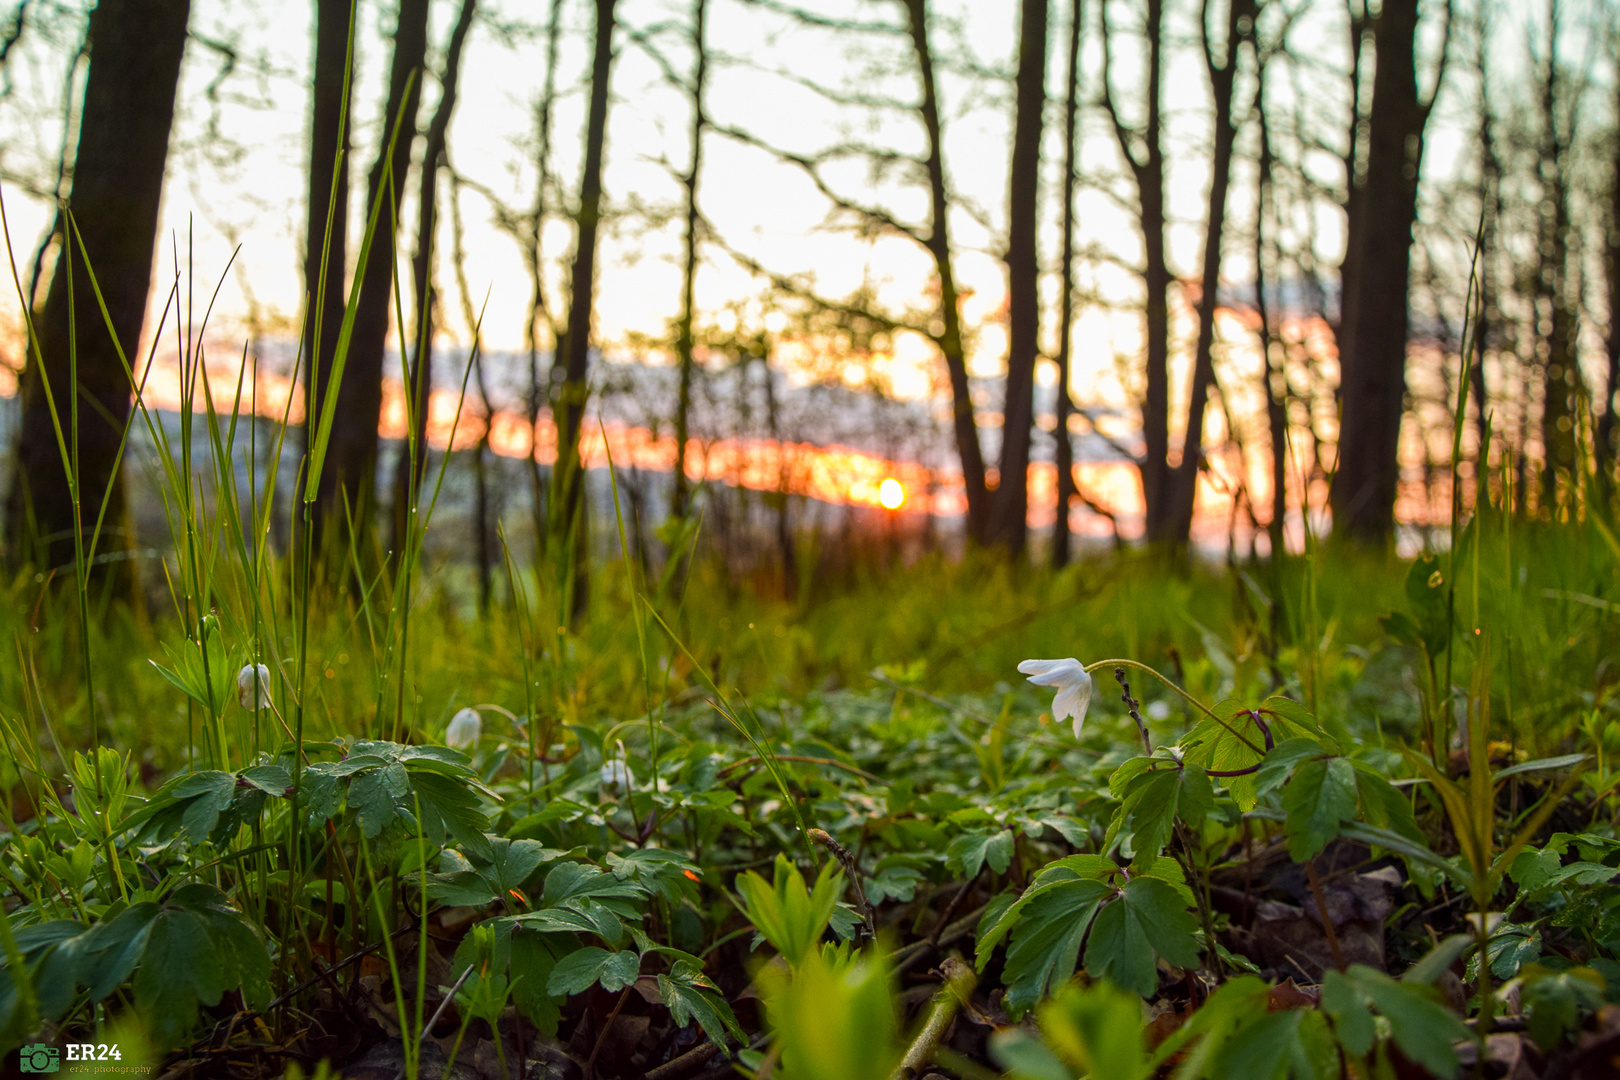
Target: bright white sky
[(249, 187)]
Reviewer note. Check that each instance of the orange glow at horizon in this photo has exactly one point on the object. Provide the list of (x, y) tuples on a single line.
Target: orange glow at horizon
[(831, 473), (1228, 492)]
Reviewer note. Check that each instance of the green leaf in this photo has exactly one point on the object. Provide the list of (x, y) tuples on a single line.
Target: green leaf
[(1232, 740), (1153, 800), (1422, 1027), (1435, 962), (1382, 804), (1320, 796), (658, 870), (971, 851), (1556, 1000), (1279, 765), (1024, 1057), (1098, 1030), (790, 915), (690, 995), (531, 963), (1148, 918), (270, 779), (1046, 937), (184, 953), (1260, 1050), (584, 968), (372, 801)]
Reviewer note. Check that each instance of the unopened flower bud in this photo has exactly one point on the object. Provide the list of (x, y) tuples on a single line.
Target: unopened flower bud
[(253, 687), (464, 731), (616, 773)]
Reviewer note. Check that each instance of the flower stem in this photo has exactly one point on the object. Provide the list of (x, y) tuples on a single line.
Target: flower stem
[(1205, 709)]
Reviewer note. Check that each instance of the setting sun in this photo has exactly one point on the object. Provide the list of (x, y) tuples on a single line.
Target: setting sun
[(891, 494)]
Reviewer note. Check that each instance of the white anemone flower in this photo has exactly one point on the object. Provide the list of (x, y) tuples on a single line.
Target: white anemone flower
[(615, 773), (464, 730), (253, 687), (1073, 685)]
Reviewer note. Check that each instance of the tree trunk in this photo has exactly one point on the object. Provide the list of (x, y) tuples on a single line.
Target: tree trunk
[(326, 228), (347, 485), (965, 427), (1372, 341), (683, 335), (413, 458), (1276, 360), (1354, 172), (1009, 524), (571, 517), (534, 258), (1061, 539), (1562, 388), (787, 550), (1148, 173), (1607, 450), (1241, 15), (1486, 312), (135, 55)]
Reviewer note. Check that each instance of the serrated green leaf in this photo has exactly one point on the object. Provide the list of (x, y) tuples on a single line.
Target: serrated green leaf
[(1423, 1028), (1148, 918), (690, 996), (1154, 799), (970, 851), (1382, 804), (1320, 796), (1046, 933), (1280, 763), (584, 968)]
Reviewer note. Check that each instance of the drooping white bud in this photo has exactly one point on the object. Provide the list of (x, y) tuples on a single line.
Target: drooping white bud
[(253, 687), (616, 773), (464, 731)]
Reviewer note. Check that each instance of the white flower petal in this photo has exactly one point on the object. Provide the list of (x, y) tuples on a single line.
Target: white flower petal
[(253, 687), (464, 730), (616, 773), (1073, 684), (1053, 672)]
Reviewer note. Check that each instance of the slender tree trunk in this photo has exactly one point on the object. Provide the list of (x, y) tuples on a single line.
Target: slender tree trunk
[(1147, 169), (1562, 389), (571, 518), (681, 491), (326, 228), (1354, 167), (1486, 312), (413, 458), (786, 548), (1276, 359), (1241, 15), (1374, 326), (1060, 430), (135, 55), (965, 428), (534, 256), (1607, 450), (347, 487), (1010, 524)]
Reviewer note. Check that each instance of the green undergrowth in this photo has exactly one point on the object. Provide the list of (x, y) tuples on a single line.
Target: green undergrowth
[(1344, 712)]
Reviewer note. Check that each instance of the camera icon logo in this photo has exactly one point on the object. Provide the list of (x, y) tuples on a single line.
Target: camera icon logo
[(40, 1058)]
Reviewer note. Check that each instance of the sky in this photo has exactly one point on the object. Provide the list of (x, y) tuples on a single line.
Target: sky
[(236, 179)]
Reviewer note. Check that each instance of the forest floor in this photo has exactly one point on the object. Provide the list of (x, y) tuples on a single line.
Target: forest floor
[(706, 829)]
